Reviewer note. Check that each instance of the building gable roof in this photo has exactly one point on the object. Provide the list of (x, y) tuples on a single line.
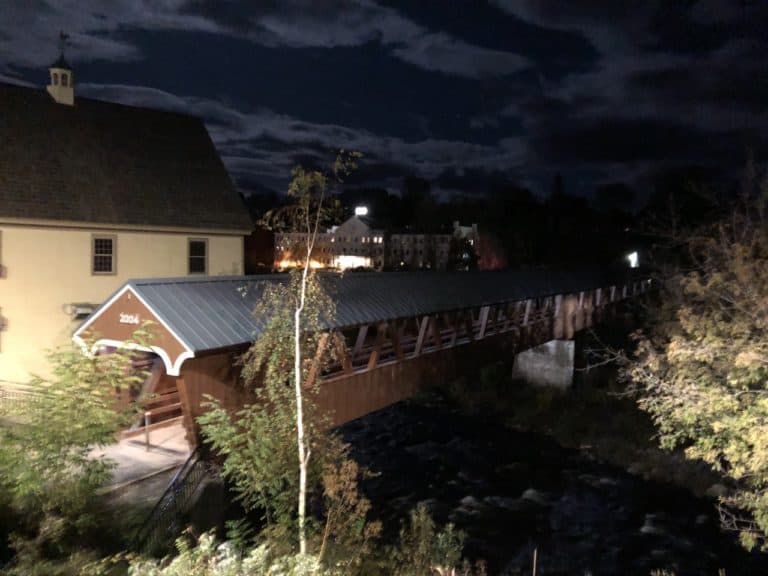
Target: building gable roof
[(354, 226), (103, 163)]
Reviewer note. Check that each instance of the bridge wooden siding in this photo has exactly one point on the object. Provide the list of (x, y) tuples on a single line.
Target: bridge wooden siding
[(368, 346), (384, 362)]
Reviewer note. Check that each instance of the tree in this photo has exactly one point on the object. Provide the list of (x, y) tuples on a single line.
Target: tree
[(295, 315), (47, 473), (702, 372)]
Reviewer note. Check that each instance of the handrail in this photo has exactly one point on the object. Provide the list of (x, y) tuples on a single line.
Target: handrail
[(163, 522)]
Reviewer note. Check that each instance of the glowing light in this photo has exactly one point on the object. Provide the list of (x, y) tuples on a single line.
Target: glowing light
[(361, 210), (345, 261), (634, 259), (286, 263)]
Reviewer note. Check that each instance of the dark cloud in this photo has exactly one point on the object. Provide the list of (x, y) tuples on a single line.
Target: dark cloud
[(627, 141), (469, 96)]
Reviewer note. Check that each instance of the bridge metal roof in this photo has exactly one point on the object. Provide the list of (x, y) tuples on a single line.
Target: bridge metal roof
[(216, 312)]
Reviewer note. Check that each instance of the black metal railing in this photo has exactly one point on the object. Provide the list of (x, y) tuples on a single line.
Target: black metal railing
[(165, 522)]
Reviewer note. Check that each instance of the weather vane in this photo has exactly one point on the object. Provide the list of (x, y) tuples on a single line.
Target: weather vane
[(63, 37)]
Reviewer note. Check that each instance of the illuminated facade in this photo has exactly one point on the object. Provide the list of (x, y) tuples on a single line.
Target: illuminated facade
[(92, 194), (353, 244), (356, 244)]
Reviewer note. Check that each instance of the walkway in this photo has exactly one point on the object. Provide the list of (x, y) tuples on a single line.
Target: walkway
[(168, 450)]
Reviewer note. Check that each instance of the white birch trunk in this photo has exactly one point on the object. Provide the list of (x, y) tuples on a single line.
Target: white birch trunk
[(303, 452)]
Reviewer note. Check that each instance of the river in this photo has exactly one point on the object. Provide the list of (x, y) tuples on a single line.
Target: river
[(512, 492)]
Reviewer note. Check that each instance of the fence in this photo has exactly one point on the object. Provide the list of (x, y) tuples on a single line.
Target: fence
[(12, 396), (165, 522)]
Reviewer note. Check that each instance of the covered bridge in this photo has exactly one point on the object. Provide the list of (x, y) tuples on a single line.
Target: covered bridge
[(392, 333)]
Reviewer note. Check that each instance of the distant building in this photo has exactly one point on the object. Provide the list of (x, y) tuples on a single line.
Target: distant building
[(352, 244), (468, 233), (356, 243), (413, 251), (92, 194)]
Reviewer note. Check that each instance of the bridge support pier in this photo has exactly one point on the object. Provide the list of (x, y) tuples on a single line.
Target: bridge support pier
[(550, 364)]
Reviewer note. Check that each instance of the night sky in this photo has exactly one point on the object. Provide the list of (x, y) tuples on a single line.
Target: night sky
[(470, 95)]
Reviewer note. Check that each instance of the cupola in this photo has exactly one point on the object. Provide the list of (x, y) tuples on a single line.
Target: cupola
[(62, 83)]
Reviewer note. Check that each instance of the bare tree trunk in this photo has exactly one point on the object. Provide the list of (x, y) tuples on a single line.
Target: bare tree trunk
[(303, 450)]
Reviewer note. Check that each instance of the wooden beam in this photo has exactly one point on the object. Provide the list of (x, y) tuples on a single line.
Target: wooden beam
[(527, 314), (423, 326), (557, 318), (494, 319), (373, 359), (396, 334), (469, 324), (437, 338), (342, 351), (454, 325), (186, 411), (512, 314), (314, 369), (484, 311), (361, 335)]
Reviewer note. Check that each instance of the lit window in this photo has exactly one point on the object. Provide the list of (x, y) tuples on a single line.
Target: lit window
[(198, 256), (103, 255)]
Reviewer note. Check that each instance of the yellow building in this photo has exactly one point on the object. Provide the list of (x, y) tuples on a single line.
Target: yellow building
[(91, 195)]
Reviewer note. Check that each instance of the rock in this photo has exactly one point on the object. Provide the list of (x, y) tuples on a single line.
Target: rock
[(717, 490), (510, 504), (431, 504), (469, 506), (651, 527), (536, 496), (427, 451), (470, 502)]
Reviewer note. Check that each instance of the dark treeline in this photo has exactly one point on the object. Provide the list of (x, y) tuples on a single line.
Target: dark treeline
[(520, 228)]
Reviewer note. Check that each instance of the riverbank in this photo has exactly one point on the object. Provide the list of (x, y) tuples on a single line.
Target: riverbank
[(596, 417), (513, 491)]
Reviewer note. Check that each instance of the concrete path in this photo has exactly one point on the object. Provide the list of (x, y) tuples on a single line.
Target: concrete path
[(168, 449)]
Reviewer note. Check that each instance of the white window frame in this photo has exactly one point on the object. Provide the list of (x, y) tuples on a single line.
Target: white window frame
[(113, 263), (204, 241)]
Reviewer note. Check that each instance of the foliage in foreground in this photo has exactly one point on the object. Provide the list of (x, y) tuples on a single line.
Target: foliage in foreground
[(424, 550), (258, 443), (703, 376), (47, 477)]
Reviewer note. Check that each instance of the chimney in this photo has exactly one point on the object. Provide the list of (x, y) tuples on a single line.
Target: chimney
[(62, 85)]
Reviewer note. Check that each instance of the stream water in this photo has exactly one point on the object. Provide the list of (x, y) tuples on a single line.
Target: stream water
[(513, 492)]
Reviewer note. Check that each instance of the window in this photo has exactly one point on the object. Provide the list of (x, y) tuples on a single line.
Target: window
[(55, 79), (104, 249), (64, 80), (198, 256)]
